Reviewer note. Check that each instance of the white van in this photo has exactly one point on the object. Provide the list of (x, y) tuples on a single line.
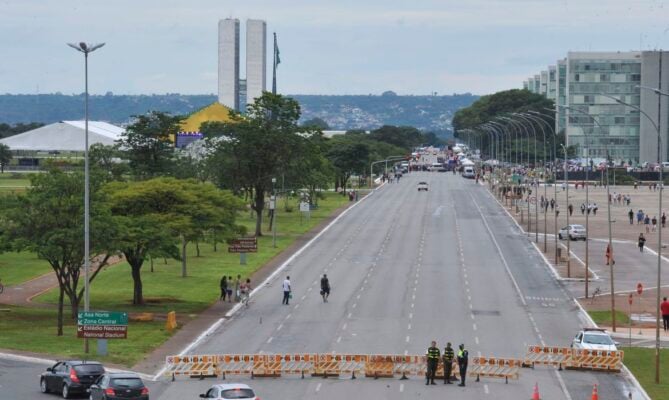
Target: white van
[(468, 172)]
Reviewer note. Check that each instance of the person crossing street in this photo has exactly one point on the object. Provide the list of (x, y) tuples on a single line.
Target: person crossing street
[(325, 288), (433, 355), (463, 360), (448, 362)]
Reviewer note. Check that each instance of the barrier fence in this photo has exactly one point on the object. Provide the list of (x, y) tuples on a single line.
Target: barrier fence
[(383, 365)]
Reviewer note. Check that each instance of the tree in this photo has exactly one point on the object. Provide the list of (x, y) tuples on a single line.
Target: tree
[(348, 156), (256, 147), (154, 216), (107, 159), (147, 143), (405, 137), (317, 123), (48, 220), (5, 157)]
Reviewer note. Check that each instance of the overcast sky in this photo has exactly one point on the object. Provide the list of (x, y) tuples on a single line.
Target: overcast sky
[(327, 47)]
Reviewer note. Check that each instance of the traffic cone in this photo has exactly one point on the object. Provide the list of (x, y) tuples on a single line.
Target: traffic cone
[(595, 395), (535, 395)]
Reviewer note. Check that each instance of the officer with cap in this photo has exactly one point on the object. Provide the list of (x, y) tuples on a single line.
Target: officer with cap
[(433, 354), (463, 359), (448, 357)]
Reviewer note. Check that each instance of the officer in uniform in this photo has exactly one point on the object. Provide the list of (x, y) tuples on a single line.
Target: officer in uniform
[(433, 354), (463, 359), (448, 357)]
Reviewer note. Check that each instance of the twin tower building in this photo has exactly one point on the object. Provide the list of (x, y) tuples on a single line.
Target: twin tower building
[(234, 92)]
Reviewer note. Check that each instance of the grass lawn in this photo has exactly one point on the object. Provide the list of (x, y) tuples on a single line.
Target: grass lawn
[(642, 364), (10, 184), (32, 329), (16, 268), (164, 290), (604, 317)]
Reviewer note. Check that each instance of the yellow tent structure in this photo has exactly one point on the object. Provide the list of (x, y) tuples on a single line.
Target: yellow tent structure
[(190, 126)]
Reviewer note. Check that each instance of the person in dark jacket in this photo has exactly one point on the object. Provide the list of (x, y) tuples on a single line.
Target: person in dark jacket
[(448, 357), (325, 288), (224, 287)]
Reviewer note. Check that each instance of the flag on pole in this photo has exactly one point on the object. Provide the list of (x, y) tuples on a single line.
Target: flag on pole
[(276, 52)]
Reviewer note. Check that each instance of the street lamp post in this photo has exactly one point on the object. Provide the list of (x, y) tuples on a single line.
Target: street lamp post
[(273, 203), (533, 116), (86, 49), (659, 231), (566, 183)]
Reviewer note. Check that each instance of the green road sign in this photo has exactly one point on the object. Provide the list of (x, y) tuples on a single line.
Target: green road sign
[(102, 318)]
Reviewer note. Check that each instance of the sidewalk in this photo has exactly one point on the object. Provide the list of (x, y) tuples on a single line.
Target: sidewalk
[(189, 332)]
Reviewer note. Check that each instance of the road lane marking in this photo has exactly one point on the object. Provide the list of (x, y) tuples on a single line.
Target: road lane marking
[(318, 387), (401, 387), (288, 316), (339, 339), (474, 326), (410, 315), (344, 327), (349, 315), (354, 305), (411, 305), (297, 305), (485, 389), (476, 339), (270, 340), (409, 327), (278, 328), (304, 297), (408, 338)]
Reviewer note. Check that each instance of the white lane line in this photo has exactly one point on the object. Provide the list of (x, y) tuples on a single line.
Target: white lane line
[(413, 297), (472, 315), (406, 352), (407, 339), (270, 340), (304, 297), (485, 389), (344, 327), (339, 339), (349, 315), (297, 306), (288, 316), (476, 339), (474, 326), (354, 305), (409, 327), (401, 387), (411, 305), (357, 297), (410, 315), (318, 387), (278, 328)]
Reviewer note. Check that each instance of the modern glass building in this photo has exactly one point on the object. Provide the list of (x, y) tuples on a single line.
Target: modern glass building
[(590, 78)]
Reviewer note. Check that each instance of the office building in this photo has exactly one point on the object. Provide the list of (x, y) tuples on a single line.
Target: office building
[(228, 63), (256, 59), (654, 74)]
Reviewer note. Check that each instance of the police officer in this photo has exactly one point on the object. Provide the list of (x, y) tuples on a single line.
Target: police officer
[(448, 362), (463, 359), (433, 354)]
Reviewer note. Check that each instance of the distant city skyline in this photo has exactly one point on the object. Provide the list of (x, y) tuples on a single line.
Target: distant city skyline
[(342, 47)]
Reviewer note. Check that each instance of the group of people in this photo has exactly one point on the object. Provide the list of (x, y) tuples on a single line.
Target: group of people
[(288, 289), (240, 289), (649, 223), (589, 208), (434, 356), (620, 199)]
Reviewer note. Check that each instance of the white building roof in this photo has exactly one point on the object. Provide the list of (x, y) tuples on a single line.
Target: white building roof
[(64, 136)]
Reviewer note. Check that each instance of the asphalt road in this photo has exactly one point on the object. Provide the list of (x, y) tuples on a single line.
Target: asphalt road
[(408, 267)]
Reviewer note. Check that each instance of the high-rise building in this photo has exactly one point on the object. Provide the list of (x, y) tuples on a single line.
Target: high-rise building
[(228, 63), (654, 74), (256, 59)]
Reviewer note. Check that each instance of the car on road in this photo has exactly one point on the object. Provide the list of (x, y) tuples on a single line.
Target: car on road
[(593, 339), (573, 232), (422, 186), (229, 391), (115, 386), (468, 172), (70, 377)]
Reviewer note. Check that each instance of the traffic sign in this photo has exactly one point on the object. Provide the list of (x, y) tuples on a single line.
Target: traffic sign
[(639, 288), (102, 331), (102, 318)]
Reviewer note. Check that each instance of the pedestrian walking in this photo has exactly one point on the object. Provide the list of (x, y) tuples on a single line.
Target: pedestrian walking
[(325, 288), (433, 355), (224, 287), (557, 210), (229, 288), (664, 220), (552, 204), (448, 357), (582, 208), (570, 208), (630, 214), (654, 222), (463, 359), (664, 308), (641, 242), (286, 290), (639, 217), (646, 223), (245, 292), (594, 209), (238, 283)]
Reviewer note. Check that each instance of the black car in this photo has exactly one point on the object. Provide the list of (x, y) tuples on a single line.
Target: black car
[(70, 377), (126, 386)]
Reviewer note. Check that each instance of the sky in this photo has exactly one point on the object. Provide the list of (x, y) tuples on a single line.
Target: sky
[(413, 47)]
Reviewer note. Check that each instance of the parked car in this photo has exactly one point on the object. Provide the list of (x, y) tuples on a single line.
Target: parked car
[(574, 232), (422, 186), (230, 391), (113, 386), (70, 377), (593, 339)]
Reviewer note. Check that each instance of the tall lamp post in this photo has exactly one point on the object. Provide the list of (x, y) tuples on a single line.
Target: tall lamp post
[(566, 183), (86, 49), (659, 210)]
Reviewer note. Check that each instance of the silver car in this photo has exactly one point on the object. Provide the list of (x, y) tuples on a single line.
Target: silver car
[(573, 232)]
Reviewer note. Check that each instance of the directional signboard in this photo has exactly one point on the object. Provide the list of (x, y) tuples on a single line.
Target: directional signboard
[(102, 325), (244, 245)]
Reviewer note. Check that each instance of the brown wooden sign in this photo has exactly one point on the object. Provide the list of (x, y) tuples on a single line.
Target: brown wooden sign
[(102, 331), (244, 245)]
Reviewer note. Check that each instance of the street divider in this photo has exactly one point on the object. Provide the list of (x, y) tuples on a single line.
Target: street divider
[(383, 365)]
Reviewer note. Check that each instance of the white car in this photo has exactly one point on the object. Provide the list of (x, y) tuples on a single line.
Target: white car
[(422, 186), (593, 339), (230, 391), (574, 232)]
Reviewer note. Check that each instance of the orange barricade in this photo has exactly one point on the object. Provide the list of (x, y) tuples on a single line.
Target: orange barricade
[(379, 366), (602, 360), (326, 365), (266, 366), (191, 366), (544, 355), (495, 368)]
